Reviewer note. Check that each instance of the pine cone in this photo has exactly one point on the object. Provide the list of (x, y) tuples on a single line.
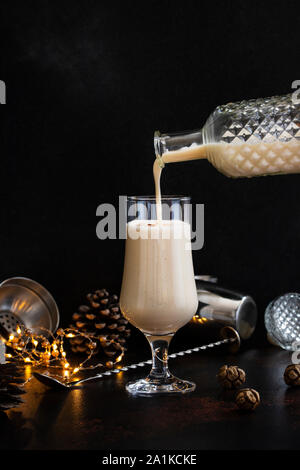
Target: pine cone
[(101, 317), (247, 399), (231, 377), (292, 375), (10, 376)]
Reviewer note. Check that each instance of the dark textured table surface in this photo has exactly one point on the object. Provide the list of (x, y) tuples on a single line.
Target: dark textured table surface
[(102, 416)]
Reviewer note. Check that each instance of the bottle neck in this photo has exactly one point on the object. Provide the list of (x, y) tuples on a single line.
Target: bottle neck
[(164, 143)]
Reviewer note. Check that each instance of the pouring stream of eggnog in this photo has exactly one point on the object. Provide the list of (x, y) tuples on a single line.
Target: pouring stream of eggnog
[(193, 153)]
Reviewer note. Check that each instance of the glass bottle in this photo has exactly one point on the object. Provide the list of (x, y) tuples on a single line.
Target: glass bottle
[(243, 139)]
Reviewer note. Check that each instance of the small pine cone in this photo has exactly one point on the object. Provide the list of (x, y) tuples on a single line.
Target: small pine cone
[(231, 377), (100, 317), (292, 375), (247, 399)]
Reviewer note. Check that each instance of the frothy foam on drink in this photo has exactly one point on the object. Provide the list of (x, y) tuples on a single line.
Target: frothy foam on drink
[(159, 230)]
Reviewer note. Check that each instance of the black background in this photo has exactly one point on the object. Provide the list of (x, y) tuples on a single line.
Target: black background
[(87, 85)]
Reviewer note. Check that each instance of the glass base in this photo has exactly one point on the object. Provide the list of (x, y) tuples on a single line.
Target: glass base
[(149, 387)]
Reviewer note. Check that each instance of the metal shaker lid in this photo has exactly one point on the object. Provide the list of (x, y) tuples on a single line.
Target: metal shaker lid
[(26, 302)]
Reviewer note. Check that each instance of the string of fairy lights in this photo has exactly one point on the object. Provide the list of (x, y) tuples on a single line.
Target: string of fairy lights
[(38, 350), (48, 350)]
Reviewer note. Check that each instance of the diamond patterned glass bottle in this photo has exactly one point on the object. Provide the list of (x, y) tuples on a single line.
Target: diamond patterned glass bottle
[(248, 138)]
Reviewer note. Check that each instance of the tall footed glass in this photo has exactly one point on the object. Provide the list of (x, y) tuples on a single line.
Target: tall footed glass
[(158, 294)]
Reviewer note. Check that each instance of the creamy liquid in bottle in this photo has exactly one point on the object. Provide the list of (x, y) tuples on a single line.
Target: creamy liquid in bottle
[(240, 160)]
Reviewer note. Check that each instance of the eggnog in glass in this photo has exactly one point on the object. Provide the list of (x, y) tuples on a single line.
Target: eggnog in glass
[(158, 293)]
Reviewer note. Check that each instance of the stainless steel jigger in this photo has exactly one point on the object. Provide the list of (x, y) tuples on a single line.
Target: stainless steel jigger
[(225, 306), (27, 303)]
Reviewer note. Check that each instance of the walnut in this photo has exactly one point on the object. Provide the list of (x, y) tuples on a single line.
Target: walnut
[(231, 377), (247, 399), (292, 375)]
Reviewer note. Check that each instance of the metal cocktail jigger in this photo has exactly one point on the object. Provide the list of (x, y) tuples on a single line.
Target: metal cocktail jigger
[(225, 306), (26, 303)]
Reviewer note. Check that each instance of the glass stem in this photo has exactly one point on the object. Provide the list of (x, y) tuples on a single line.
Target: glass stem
[(159, 347)]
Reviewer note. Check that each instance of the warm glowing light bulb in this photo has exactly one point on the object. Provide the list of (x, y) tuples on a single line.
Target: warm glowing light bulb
[(76, 370), (11, 337), (66, 365), (27, 359)]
